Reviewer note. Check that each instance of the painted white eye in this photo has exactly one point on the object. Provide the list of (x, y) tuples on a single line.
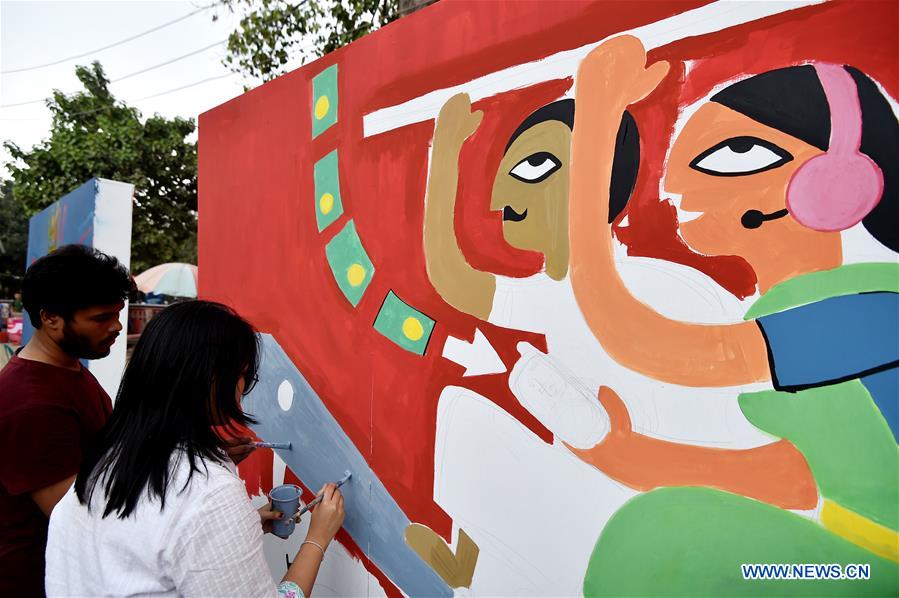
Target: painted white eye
[(536, 167), (740, 156)]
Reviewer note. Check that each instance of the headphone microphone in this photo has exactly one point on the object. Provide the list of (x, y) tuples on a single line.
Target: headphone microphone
[(755, 218)]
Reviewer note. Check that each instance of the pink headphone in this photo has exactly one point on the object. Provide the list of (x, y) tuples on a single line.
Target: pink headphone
[(836, 190)]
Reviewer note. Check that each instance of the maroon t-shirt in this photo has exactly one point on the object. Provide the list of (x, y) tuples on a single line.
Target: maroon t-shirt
[(48, 418)]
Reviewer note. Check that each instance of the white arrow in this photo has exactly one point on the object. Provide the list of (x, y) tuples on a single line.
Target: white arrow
[(477, 357)]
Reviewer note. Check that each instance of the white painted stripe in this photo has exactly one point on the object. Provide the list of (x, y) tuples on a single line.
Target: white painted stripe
[(699, 21)]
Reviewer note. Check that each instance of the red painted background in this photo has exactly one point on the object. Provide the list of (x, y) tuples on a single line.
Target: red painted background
[(260, 250)]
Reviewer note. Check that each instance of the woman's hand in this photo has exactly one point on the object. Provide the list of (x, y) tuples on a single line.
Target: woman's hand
[(267, 517), (327, 517), (239, 448)]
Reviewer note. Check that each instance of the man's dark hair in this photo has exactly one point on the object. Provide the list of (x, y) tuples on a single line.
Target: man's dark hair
[(73, 277), (180, 383)]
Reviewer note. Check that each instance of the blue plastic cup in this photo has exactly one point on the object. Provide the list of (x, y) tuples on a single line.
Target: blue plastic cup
[(285, 499)]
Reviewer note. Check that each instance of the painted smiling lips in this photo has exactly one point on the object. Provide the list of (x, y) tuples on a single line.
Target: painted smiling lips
[(510, 214), (682, 214)]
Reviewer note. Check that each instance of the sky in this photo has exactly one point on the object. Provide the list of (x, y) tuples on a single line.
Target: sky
[(36, 33)]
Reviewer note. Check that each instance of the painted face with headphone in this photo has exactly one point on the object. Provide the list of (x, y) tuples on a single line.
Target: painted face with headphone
[(763, 193)]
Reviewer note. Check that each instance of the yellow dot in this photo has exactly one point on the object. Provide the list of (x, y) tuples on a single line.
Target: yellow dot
[(322, 105), (326, 203), (355, 275), (412, 329)]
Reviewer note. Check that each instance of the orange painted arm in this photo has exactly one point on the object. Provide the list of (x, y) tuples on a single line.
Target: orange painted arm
[(776, 473), (609, 79)]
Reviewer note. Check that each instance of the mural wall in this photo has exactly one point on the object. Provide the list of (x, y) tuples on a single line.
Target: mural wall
[(96, 214), (597, 300)]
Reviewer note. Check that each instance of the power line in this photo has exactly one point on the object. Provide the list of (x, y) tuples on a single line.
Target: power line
[(155, 95), (113, 45), (302, 48), (299, 47), (161, 64), (122, 78)]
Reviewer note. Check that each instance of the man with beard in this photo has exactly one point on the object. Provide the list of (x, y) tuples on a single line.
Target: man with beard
[(51, 406)]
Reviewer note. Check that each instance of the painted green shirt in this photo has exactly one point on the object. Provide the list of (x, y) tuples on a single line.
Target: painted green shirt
[(837, 426)]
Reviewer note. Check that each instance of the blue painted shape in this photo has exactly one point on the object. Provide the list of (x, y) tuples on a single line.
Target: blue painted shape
[(834, 339), (321, 453), (884, 389), (68, 220)]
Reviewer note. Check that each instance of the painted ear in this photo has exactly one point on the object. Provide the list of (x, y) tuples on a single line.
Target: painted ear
[(624, 165)]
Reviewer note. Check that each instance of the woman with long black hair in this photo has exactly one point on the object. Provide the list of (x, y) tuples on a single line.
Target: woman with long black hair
[(157, 508)]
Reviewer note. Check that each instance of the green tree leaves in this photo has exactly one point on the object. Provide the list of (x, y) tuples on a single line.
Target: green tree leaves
[(13, 242), (273, 31), (94, 135)]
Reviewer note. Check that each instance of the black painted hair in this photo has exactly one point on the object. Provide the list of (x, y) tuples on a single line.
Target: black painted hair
[(627, 149), (561, 110), (180, 382), (73, 277), (792, 100)]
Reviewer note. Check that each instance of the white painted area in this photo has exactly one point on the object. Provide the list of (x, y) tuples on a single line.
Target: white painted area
[(859, 247), (683, 216), (112, 235), (340, 574), (279, 469), (678, 292), (558, 399), (285, 395), (666, 411), (534, 510), (700, 21), (477, 357), (812, 514)]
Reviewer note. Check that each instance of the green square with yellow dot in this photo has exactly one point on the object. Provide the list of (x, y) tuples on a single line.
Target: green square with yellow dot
[(404, 325), (328, 206), (324, 100), (349, 263)]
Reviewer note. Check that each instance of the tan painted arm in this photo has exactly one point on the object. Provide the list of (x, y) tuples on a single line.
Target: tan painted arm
[(465, 288)]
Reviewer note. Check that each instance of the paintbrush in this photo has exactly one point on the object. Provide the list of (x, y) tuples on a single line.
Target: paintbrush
[(274, 445), (346, 476)]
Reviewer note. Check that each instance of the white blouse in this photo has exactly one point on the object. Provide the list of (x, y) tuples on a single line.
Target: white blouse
[(207, 541)]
